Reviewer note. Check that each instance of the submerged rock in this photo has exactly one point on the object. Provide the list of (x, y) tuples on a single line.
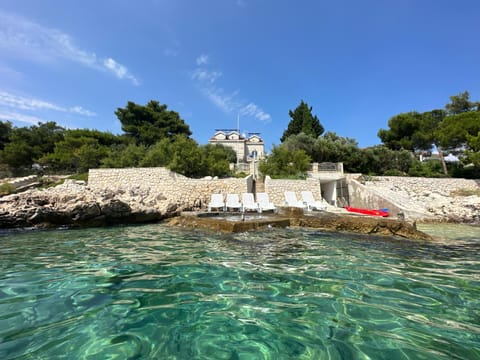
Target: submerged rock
[(362, 225), (229, 223)]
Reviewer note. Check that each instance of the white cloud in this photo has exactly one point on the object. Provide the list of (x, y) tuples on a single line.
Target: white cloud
[(202, 60), (174, 46), (119, 70), (253, 110), (206, 81), (26, 39), (226, 102), (81, 111), (33, 120), (206, 76), (24, 103)]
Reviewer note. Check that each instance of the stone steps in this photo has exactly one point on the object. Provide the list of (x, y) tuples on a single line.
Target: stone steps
[(259, 186)]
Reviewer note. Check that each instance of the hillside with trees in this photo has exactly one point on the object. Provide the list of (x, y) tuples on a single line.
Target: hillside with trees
[(153, 135), (454, 129), (329, 147)]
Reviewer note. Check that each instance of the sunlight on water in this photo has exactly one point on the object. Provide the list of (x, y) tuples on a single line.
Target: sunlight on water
[(451, 231), (151, 292)]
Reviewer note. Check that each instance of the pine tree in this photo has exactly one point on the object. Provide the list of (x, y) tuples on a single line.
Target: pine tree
[(302, 121)]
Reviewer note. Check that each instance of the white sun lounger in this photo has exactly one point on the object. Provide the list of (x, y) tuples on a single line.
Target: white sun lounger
[(233, 202), (248, 202), (311, 203), (264, 202), (216, 202), (291, 200)]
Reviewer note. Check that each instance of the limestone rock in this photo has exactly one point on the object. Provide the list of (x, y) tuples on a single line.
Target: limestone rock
[(438, 199), (75, 204)]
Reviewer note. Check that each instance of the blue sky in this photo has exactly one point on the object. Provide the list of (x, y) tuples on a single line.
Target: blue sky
[(357, 63)]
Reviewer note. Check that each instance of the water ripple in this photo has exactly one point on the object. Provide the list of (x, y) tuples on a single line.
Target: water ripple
[(156, 292)]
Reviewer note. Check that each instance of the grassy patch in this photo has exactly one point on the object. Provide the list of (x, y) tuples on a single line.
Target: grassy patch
[(465, 192), (81, 176), (290, 177), (6, 189), (240, 175), (46, 182)]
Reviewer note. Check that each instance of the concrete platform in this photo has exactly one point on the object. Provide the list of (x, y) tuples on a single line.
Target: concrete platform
[(231, 222)]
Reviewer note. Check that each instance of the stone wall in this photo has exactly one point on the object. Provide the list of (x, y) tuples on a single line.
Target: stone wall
[(275, 188), (418, 198), (21, 182), (361, 196), (165, 184)]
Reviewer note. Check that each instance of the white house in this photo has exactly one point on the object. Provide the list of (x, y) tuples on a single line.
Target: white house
[(247, 148)]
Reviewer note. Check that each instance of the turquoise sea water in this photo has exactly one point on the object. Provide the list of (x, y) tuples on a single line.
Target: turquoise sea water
[(153, 292)]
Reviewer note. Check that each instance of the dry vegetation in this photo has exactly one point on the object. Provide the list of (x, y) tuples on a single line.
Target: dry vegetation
[(465, 192)]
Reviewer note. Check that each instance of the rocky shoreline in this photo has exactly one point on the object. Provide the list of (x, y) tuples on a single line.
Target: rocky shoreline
[(433, 199), (74, 204)]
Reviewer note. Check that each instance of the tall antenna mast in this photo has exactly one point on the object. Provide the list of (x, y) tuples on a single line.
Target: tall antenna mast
[(238, 144)]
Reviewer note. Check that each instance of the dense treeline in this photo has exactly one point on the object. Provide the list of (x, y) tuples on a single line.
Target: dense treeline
[(455, 129), (155, 136)]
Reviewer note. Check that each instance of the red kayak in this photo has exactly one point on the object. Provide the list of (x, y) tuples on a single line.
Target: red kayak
[(371, 212)]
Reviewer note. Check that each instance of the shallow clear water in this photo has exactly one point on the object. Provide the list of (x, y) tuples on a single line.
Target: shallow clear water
[(153, 292)]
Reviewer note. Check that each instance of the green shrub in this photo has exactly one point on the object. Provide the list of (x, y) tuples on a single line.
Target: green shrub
[(81, 176), (394, 172), (7, 188), (460, 171), (299, 176), (47, 182), (431, 169), (240, 175)]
